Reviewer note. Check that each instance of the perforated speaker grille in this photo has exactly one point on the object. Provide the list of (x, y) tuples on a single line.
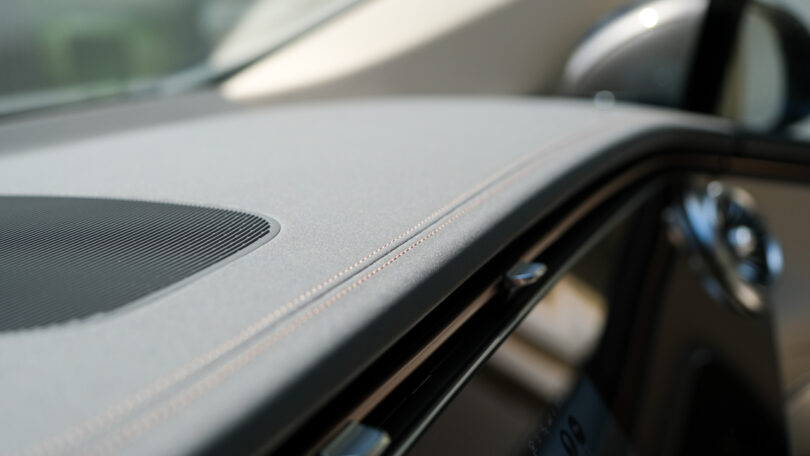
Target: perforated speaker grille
[(68, 258)]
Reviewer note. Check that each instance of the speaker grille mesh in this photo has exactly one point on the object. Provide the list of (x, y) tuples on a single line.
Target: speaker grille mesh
[(67, 258)]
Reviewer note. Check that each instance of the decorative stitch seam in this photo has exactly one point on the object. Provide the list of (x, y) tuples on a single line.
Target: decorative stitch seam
[(75, 435)]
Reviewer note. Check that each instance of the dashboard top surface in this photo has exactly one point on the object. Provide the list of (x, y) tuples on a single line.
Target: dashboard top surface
[(374, 198)]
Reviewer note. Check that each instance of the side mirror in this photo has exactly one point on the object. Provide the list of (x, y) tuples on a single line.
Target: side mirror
[(645, 54), (641, 54)]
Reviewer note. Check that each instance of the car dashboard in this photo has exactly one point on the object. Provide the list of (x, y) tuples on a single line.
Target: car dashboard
[(263, 279)]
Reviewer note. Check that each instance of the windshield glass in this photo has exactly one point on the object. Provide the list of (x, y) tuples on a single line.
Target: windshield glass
[(73, 50)]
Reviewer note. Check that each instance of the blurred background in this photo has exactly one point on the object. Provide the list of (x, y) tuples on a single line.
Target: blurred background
[(256, 51)]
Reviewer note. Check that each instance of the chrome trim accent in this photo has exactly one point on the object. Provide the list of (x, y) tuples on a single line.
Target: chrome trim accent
[(731, 247), (357, 440), (524, 273)]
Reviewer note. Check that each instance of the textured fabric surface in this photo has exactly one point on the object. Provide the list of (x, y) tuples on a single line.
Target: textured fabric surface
[(385, 206)]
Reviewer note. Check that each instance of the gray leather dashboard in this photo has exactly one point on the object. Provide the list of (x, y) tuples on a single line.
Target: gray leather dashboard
[(384, 207)]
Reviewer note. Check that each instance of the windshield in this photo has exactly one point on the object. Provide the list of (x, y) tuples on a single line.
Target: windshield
[(74, 50)]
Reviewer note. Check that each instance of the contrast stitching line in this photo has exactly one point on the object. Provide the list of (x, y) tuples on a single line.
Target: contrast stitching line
[(80, 432), (185, 397)]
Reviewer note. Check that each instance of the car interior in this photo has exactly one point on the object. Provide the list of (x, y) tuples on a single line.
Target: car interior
[(388, 227)]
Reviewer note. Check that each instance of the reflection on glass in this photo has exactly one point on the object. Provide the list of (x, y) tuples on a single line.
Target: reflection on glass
[(627, 354), (512, 403), (68, 51)]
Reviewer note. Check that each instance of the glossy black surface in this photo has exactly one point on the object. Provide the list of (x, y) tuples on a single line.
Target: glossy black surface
[(674, 372)]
